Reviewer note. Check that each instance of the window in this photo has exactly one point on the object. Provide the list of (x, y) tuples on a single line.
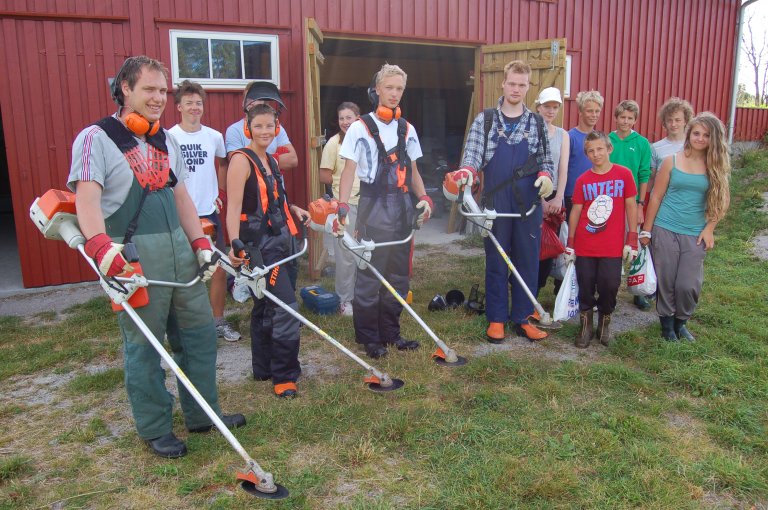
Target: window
[(220, 60), (567, 87)]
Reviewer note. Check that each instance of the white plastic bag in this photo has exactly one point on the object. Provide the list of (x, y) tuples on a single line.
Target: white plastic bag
[(567, 301), (641, 280), (558, 268)]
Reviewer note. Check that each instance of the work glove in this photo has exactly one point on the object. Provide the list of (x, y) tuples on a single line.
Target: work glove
[(645, 237), (424, 203), (630, 249), (283, 149), (221, 201), (544, 183), (340, 223), (464, 176), (569, 255), (202, 248), (108, 255)]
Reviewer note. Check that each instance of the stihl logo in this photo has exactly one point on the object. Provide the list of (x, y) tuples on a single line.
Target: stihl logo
[(635, 280), (273, 276)]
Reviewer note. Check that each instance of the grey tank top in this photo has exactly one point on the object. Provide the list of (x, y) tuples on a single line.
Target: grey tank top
[(555, 144)]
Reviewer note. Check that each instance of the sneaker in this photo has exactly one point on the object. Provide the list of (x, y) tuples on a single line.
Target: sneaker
[(227, 332), (346, 309), (530, 332)]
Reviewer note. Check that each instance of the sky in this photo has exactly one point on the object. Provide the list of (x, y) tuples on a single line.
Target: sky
[(759, 21)]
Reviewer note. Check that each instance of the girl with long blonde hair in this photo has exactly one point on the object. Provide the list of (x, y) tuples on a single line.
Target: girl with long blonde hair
[(690, 197)]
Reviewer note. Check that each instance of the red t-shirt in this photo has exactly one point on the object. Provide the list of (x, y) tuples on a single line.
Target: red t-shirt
[(602, 224)]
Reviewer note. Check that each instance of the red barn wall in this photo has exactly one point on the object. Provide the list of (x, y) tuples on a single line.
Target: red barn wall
[(751, 124), (58, 55)]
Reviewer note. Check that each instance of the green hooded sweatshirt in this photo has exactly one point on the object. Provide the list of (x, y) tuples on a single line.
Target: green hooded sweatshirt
[(633, 152)]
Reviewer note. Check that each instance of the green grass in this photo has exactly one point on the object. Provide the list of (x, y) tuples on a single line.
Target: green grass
[(644, 424)]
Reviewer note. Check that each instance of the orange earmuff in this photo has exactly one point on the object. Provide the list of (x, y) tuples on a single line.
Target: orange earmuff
[(141, 126), (387, 114), (247, 130)]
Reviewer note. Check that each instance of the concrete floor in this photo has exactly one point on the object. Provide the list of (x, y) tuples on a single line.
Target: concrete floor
[(10, 269)]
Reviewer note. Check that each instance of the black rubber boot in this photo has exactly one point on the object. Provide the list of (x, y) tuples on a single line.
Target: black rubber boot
[(585, 331), (642, 303), (603, 333), (375, 350), (668, 329), (168, 446), (232, 421), (682, 332), (403, 344)]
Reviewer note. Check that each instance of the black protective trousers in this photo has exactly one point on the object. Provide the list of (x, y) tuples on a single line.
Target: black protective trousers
[(376, 311), (274, 332)]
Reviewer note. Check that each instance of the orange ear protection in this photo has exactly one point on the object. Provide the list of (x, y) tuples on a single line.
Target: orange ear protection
[(387, 114), (247, 129), (141, 126)]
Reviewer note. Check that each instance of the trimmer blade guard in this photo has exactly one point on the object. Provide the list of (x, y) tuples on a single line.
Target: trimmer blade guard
[(374, 384), (439, 357), (551, 325), (250, 488)]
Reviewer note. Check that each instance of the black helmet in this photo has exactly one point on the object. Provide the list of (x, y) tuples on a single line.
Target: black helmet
[(437, 304), (264, 91), (454, 298)]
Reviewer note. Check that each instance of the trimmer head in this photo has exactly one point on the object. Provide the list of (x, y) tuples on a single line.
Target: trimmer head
[(551, 325), (441, 359), (250, 488), (379, 386)]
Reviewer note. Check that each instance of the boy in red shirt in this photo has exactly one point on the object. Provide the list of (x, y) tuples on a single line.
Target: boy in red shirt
[(602, 198)]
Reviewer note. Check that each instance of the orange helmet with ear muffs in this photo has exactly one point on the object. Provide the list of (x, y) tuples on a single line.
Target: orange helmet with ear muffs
[(135, 122), (382, 112)]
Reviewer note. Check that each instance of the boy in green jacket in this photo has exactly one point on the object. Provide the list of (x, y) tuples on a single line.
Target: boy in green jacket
[(632, 150)]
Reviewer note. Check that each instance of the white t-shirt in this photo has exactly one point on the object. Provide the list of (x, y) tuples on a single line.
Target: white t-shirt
[(360, 147), (198, 152), (236, 139), (662, 149)]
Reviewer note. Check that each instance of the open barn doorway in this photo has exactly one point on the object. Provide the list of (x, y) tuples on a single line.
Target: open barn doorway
[(10, 268), (436, 101)]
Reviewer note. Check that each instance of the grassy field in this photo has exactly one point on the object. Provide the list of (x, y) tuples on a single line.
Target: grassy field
[(644, 424)]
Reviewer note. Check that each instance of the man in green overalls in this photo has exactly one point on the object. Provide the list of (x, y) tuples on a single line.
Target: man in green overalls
[(128, 177)]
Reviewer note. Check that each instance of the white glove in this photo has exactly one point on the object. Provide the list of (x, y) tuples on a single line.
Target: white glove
[(204, 254), (426, 205), (544, 183), (629, 253), (569, 256)]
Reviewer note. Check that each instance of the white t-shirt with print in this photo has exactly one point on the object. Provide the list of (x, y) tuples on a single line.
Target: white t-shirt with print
[(199, 151), (360, 147)]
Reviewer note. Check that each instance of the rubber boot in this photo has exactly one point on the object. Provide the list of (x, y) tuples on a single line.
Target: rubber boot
[(668, 329), (495, 333), (642, 303), (603, 333), (585, 331), (682, 332)]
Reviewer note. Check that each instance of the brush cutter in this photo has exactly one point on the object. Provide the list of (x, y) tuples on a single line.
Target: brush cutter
[(54, 215), (470, 209), (323, 214), (255, 279)]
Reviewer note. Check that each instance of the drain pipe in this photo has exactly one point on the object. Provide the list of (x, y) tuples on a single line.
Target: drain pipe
[(737, 64)]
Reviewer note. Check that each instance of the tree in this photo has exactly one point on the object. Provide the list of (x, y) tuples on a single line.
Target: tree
[(744, 98), (757, 56)]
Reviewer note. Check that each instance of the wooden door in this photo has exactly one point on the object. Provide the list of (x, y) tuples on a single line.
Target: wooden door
[(548, 70), (314, 38)]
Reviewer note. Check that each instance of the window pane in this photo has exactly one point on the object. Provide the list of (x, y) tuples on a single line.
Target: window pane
[(226, 59), (258, 60), (193, 58)]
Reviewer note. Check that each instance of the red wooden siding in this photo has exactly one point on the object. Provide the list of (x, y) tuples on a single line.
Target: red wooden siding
[(751, 124), (58, 55)]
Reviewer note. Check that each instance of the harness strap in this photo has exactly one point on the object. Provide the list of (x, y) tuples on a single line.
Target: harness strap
[(274, 200)]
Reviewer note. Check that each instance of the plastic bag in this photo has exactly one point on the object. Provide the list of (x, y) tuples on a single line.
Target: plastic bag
[(641, 280), (240, 291), (558, 268), (567, 301), (551, 246)]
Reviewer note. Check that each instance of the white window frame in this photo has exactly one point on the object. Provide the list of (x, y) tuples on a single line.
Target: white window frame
[(219, 83), (567, 85)]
